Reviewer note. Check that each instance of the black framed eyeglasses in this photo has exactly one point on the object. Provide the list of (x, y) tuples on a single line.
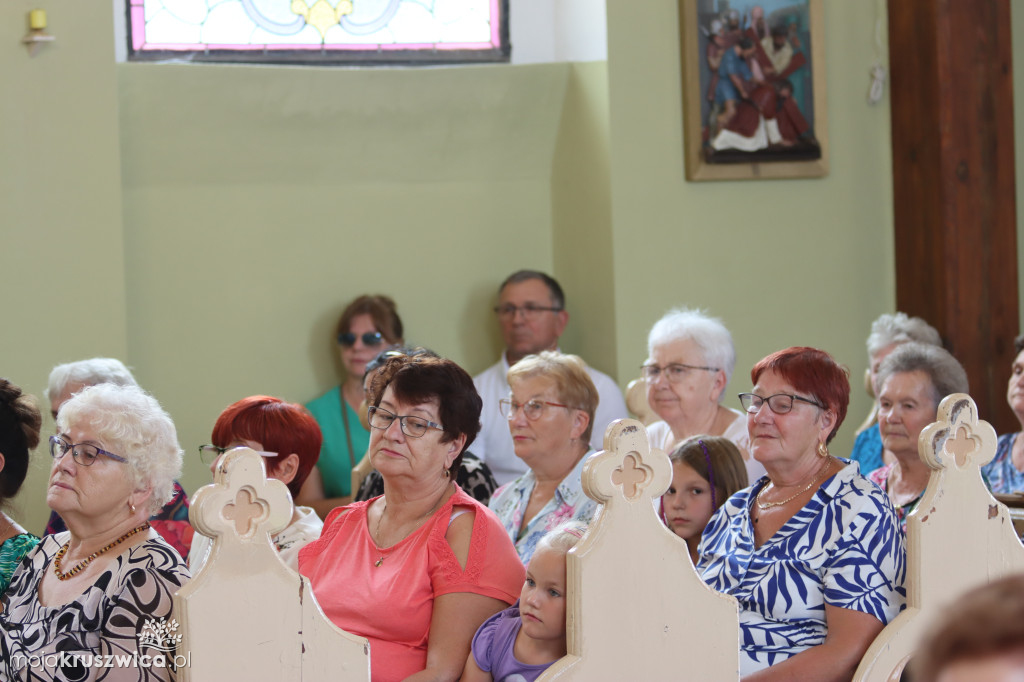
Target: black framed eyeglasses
[(414, 427), (533, 409), (674, 371), (529, 311), (780, 403), (85, 454), (348, 339), (208, 453)]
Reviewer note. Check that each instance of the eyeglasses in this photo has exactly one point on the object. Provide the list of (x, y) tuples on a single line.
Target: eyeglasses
[(529, 311), (780, 403), (674, 371), (533, 409), (414, 427), (85, 454), (208, 453), (348, 339)]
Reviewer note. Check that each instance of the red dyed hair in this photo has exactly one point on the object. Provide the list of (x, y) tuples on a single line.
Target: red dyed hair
[(280, 427), (813, 372)]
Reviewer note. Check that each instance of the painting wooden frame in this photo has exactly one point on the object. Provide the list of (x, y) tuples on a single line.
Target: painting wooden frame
[(783, 109)]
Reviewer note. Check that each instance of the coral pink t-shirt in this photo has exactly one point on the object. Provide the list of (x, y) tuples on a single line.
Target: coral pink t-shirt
[(392, 604)]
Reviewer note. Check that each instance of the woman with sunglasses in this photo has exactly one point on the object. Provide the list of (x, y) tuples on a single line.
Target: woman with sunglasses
[(287, 437), (367, 326), (550, 413), (812, 551), (90, 591), (418, 569)]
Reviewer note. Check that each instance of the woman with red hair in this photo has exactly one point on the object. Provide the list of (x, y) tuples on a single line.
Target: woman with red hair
[(289, 439), (812, 551)]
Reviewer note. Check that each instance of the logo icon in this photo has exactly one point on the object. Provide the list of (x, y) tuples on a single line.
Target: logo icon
[(160, 634)]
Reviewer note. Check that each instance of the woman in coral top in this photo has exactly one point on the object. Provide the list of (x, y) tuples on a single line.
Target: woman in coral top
[(418, 569)]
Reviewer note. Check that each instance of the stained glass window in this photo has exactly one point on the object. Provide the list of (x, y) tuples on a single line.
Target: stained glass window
[(319, 31)]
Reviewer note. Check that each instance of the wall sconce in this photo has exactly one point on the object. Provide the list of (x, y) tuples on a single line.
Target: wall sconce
[(37, 34)]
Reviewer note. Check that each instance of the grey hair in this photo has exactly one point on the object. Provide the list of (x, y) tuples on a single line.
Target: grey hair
[(131, 423), (563, 537), (945, 372), (710, 335), (900, 328), (88, 373)]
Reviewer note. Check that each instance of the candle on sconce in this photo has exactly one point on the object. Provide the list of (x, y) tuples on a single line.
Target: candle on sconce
[(37, 19)]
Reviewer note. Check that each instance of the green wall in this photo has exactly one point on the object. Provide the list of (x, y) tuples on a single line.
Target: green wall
[(61, 240), (781, 262), (208, 223)]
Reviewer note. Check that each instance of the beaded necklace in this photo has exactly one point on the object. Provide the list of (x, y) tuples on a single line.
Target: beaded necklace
[(80, 566)]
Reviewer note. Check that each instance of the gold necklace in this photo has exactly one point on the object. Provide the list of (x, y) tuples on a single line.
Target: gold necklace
[(768, 505), (80, 566), (376, 532)]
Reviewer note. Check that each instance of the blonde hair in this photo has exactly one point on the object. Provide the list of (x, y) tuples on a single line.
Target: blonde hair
[(562, 538), (569, 375)]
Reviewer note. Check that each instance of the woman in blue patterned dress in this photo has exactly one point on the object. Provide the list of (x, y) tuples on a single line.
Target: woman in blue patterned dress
[(1005, 473), (812, 551)]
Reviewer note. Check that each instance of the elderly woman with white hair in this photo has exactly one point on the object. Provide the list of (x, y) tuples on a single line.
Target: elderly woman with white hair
[(91, 590), (171, 521), (690, 361), (887, 332), (912, 381)]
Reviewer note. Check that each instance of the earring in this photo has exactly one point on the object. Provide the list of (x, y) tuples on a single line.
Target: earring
[(131, 507), (822, 449), (447, 473)]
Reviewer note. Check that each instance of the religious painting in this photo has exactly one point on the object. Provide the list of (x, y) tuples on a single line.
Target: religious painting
[(753, 89)]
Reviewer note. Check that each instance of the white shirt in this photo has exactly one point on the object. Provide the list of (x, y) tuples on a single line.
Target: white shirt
[(494, 444), (660, 435)]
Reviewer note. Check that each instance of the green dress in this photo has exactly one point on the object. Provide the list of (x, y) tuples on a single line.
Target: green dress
[(11, 553), (335, 462)]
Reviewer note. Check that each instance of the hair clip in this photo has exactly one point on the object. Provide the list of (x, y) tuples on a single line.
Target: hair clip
[(711, 473)]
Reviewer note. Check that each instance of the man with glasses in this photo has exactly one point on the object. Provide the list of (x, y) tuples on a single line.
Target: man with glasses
[(531, 312)]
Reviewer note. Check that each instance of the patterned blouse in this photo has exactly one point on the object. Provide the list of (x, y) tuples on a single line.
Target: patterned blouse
[(1002, 476), (880, 477), (843, 548), (62, 643), (569, 503), (12, 551)]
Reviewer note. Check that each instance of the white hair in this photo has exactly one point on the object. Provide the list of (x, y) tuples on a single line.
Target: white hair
[(131, 423), (900, 328), (88, 373), (710, 335)]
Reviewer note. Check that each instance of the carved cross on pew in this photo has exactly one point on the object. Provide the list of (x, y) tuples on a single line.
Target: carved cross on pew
[(632, 476), (962, 446), (247, 511)]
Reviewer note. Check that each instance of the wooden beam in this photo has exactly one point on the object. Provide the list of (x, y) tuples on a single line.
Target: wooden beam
[(953, 181)]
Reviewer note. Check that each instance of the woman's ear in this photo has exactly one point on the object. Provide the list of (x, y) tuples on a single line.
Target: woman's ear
[(287, 469), (718, 386), (2, 461), (579, 424), (828, 422), (454, 448)]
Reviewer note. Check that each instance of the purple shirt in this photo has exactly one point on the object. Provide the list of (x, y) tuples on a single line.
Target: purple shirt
[(494, 648)]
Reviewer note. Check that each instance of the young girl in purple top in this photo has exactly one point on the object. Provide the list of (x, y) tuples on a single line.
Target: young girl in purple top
[(521, 642)]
